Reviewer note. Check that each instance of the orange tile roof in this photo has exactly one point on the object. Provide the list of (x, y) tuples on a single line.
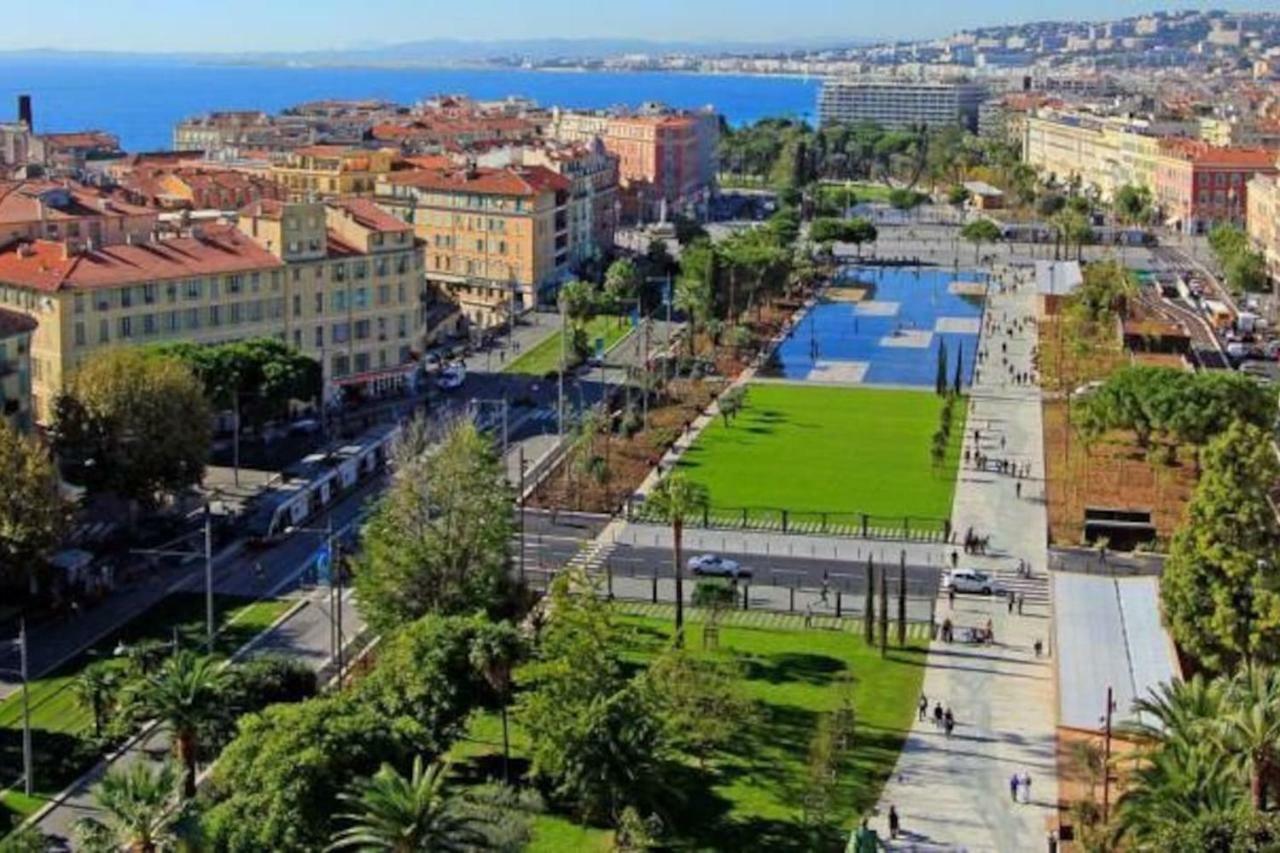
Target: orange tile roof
[(83, 139), (1203, 154), (267, 208), (47, 266), (326, 150), (20, 202), (512, 181), (369, 215)]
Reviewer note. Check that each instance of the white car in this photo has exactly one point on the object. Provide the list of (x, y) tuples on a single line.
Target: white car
[(451, 378), (971, 580), (710, 565)]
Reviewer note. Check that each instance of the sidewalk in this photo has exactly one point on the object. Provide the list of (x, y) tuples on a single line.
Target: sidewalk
[(953, 794)]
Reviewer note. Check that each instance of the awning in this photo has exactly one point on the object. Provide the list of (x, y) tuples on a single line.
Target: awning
[(375, 375)]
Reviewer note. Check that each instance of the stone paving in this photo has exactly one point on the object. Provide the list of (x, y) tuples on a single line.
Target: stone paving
[(953, 793)]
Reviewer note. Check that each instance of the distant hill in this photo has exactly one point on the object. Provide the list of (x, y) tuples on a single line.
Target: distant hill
[(444, 51)]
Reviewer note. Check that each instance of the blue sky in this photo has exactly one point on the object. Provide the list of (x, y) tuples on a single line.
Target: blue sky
[(229, 25)]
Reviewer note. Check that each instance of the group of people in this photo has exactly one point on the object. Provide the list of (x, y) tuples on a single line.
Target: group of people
[(984, 635), (942, 719), (1020, 787), (973, 544)]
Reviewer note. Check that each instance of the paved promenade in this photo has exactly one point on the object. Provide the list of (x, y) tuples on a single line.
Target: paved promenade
[(953, 793)]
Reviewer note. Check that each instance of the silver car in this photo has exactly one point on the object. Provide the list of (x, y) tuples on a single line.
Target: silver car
[(711, 565)]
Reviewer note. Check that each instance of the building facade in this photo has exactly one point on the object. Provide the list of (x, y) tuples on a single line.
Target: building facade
[(667, 160), (496, 240), (1263, 219), (16, 330), (1198, 185), (897, 103), (330, 171), (342, 281)]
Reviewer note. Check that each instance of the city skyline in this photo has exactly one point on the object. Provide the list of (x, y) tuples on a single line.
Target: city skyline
[(147, 26)]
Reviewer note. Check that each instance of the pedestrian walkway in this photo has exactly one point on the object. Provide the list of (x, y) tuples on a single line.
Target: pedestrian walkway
[(953, 793)]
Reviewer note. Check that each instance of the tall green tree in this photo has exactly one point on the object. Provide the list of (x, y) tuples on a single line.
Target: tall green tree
[(495, 650), (257, 377), (33, 516), (594, 739), (676, 499), (437, 541), (1221, 584), (134, 425), (389, 812), (185, 695), (699, 700), (622, 281), (979, 232)]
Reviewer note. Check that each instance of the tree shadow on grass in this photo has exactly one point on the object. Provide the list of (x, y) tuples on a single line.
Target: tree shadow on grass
[(813, 669), (59, 758)]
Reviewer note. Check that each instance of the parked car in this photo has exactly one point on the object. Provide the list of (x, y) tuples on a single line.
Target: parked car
[(971, 580), (712, 565)]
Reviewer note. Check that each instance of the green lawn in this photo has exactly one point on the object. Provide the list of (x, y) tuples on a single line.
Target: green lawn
[(859, 191), (751, 797), (61, 728), (545, 357), (814, 449)]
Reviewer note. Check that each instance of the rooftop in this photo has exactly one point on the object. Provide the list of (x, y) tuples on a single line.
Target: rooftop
[(51, 266), (510, 181), (368, 215)]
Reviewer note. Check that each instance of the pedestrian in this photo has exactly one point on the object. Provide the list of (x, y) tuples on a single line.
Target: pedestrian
[(1013, 787), (1002, 441), (895, 823), (826, 589), (1039, 647), (1011, 601), (1021, 599), (949, 722), (1017, 489), (937, 715), (808, 615), (991, 632), (955, 558), (951, 597), (922, 710), (1025, 784), (946, 630)]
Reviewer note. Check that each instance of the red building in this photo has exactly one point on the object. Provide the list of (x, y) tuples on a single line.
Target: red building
[(1200, 185)]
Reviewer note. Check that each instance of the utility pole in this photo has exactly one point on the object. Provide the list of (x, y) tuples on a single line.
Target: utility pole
[(1106, 758), (208, 573), (521, 497), (235, 442), (560, 405), (28, 769)]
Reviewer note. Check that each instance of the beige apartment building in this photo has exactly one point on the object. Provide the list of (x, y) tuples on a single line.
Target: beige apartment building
[(329, 171), (1263, 220), (495, 239), (342, 281), (15, 369), (1101, 152), (55, 210)]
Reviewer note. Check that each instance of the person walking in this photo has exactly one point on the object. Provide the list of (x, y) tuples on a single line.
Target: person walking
[(1021, 600), (937, 715), (1011, 602), (1013, 787), (949, 722), (922, 710), (1025, 785), (1017, 489), (895, 823), (951, 597), (991, 632), (955, 558)]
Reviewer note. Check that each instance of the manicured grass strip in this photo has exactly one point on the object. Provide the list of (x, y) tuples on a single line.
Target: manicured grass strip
[(752, 796), (545, 357), (814, 449), (61, 727), (859, 191), (763, 619)]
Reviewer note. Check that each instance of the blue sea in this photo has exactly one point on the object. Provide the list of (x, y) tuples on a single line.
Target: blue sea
[(141, 101)]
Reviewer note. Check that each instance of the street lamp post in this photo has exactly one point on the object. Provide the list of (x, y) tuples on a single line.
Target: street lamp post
[(206, 552)]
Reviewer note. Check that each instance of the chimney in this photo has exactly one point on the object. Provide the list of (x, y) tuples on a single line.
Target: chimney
[(24, 111)]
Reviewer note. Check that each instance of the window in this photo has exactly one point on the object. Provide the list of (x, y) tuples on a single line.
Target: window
[(362, 362), (402, 326), (297, 339), (255, 311), (171, 292), (126, 327), (80, 336), (104, 331), (148, 324), (79, 301), (340, 366), (172, 321), (319, 337), (400, 293), (360, 299), (297, 303), (341, 333), (235, 316), (362, 269), (215, 315), (193, 289), (339, 300), (297, 274), (192, 320), (362, 330), (384, 294), (126, 297), (382, 328), (235, 283), (339, 272), (254, 280)]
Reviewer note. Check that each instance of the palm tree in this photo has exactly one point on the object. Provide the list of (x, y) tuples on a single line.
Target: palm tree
[(392, 813), (675, 499), (1250, 730), (141, 811), (495, 650), (184, 694), (94, 689)]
